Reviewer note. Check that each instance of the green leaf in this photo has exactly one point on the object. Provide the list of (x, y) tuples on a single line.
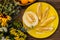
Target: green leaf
[(0, 9), (1, 36), (0, 5), (12, 38), (11, 12)]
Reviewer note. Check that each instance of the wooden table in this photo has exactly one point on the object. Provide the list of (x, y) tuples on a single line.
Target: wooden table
[(56, 35)]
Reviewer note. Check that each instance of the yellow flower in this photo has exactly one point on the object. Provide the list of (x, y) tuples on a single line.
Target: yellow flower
[(22, 38), (20, 33), (8, 17), (3, 23), (17, 38), (13, 31), (4, 19), (7, 38), (17, 34)]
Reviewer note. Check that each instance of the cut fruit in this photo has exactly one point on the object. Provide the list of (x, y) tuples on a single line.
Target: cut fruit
[(43, 29), (30, 19), (24, 1), (45, 14), (48, 21), (39, 14)]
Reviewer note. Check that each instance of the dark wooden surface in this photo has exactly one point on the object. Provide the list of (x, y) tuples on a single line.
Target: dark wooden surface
[(56, 35)]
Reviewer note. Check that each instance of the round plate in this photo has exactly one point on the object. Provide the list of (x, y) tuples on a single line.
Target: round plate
[(52, 12)]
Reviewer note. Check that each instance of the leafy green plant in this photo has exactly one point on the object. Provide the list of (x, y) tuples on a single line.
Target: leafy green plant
[(8, 7)]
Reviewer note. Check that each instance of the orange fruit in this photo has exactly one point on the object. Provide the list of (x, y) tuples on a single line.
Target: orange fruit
[(31, 1), (24, 1)]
